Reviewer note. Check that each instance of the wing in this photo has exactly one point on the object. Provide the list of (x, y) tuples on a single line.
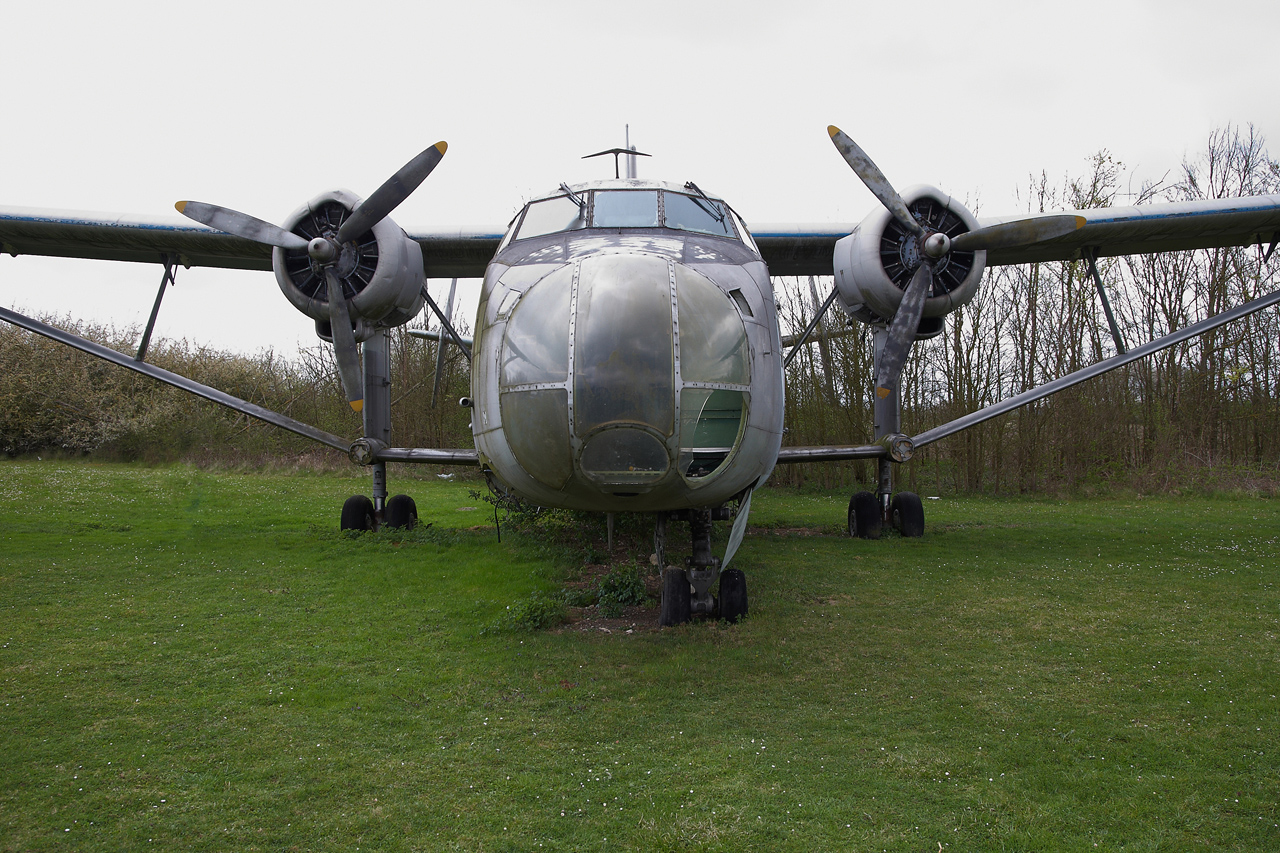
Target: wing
[(120, 237), (807, 249)]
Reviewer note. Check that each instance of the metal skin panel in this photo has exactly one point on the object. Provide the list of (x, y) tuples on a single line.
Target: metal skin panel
[(860, 276), (727, 265)]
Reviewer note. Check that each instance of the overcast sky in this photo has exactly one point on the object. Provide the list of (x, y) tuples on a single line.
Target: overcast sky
[(129, 106)]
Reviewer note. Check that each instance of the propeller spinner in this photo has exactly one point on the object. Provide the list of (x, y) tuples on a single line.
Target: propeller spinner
[(328, 253)]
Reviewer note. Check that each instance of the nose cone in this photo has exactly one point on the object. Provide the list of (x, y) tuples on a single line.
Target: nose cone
[(622, 375), (623, 345)]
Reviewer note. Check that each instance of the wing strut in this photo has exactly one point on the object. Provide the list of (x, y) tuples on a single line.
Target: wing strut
[(997, 409), (435, 390), (448, 326), (1091, 255), (808, 330), (169, 278), (188, 385)]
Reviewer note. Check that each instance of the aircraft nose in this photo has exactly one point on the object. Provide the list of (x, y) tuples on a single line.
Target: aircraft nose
[(623, 346)]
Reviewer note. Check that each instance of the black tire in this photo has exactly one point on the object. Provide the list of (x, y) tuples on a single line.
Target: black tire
[(401, 512), (907, 513), (864, 516), (733, 595), (357, 514), (675, 598)]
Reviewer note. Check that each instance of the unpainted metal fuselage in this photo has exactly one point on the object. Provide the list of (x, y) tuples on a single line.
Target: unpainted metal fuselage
[(627, 354)]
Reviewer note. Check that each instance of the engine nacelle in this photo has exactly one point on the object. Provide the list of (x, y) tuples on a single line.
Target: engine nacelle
[(382, 278), (874, 264)]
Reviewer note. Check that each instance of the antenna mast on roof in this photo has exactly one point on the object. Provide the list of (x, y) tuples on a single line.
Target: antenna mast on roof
[(630, 151), (631, 158)]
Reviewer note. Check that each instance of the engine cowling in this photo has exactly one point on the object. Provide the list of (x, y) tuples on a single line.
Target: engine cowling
[(382, 276), (874, 264)]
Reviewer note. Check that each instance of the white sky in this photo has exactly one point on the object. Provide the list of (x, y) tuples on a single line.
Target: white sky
[(130, 106)]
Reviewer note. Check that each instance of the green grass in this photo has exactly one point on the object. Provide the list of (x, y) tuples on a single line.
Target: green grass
[(200, 661)]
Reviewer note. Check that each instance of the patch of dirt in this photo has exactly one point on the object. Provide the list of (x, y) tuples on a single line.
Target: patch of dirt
[(634, 620)]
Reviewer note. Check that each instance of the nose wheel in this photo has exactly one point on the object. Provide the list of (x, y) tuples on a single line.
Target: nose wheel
[(686, 592)]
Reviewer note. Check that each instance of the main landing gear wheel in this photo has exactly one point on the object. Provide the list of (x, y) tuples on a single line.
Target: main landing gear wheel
[(907, 513), (357, 514), (675, 598), (864, 516), (401, 512), (733, 595)]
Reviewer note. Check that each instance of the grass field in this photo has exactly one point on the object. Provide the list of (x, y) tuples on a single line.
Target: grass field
[(200, 661)]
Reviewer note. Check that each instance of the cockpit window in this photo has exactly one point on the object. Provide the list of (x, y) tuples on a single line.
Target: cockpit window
[(629, 209), (554, 214), (626, 209), (698, 214)]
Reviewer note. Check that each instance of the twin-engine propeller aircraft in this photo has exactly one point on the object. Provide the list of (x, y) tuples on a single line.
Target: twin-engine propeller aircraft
[(627, 355)]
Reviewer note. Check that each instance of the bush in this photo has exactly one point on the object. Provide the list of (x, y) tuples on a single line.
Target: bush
[(536, 613), (622, 587)]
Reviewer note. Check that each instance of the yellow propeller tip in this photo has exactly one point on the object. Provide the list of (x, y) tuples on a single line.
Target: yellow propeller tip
[(832, 130), (181, 206), (883, 392), (357, 405), (442, 146)]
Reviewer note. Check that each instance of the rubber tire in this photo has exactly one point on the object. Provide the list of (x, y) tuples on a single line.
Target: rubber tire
[(733, 595), (675, 598), (864, 516), (357, 514), (401, 513), (907, 512)]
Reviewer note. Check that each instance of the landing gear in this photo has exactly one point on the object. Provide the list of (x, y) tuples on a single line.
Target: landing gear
[(675, 598), (864, 516), (907, 514), (733, 595), (358, 514), (687, 592), (401, 512)]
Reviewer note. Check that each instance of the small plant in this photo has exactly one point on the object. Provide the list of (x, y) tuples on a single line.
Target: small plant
[(622, 587), (536, 613)]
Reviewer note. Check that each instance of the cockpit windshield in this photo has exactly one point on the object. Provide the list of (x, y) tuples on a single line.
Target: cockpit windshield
[(625, 209), (640, 208), (554, 214), (698, 214)]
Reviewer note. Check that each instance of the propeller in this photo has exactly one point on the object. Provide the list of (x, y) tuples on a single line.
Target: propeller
[(241, 225), (875, 180), (902, 331), (327, 252), (394, 190), (345, 349), (934, 246)]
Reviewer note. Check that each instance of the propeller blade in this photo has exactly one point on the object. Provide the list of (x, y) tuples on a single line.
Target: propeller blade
[(902, 331), (240, 224), (345, 349), (394, 190), (875, 180), (1020, 232)]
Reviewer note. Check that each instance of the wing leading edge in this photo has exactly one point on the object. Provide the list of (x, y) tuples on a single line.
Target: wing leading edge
[(1108, 231), (121, 237)]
